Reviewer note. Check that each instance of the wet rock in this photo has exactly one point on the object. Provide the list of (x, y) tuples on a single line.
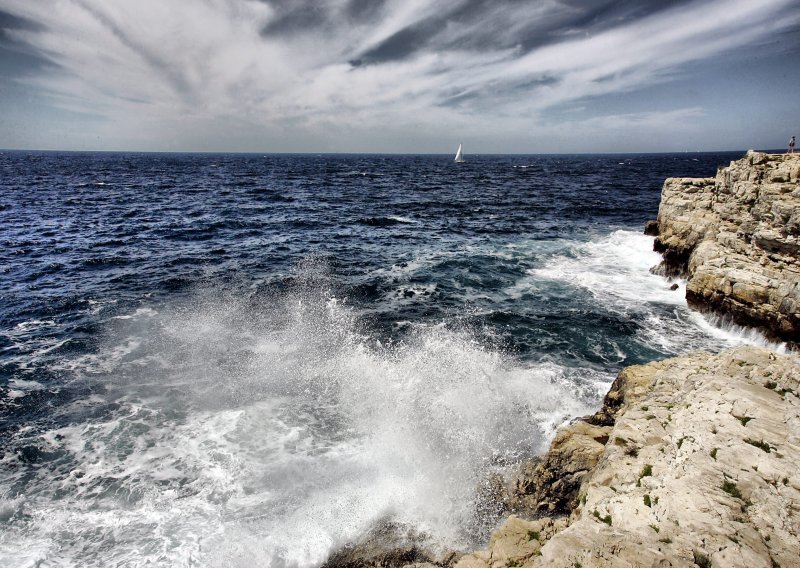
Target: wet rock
[(651, 228), (391, 545), (549, 485)]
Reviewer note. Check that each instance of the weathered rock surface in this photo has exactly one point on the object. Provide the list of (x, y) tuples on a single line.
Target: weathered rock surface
[(549, 484), (737, 239), (700, 467)]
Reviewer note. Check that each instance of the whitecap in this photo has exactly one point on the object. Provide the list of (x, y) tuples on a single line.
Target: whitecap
[(615, 270), (400, 219), (34, 324), (146, 312)]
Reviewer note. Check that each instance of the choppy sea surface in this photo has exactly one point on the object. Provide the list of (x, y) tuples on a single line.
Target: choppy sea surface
[(248, 360)]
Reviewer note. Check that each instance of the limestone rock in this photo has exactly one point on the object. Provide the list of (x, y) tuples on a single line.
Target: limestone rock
[(516, 543), (549, 485), (736, 237), (700, 468)]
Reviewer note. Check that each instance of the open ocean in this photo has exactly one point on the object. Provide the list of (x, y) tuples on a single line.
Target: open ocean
[(248, 360)]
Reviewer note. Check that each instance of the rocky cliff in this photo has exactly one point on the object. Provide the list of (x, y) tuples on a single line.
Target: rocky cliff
[(699, 468), (736, 237)]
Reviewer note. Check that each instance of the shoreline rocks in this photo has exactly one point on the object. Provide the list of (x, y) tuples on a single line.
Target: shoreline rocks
[(736, 238), (691, 461), (700, 468)]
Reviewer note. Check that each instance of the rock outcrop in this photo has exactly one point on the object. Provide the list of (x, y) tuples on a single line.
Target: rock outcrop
[(698, 468), (736, 237)]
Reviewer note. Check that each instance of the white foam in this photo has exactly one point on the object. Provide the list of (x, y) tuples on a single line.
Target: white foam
[(25, 385), (106, 362), (30, 344), (34, 324), (147, 312), (400, 219), (98, 305), (615, 270), (273, 435), (419, 261), (734, 334)]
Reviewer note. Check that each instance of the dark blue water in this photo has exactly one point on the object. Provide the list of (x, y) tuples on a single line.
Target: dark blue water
[(211, 359)]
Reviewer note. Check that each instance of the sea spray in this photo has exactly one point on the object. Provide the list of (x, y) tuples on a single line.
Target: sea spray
[(278, 426)]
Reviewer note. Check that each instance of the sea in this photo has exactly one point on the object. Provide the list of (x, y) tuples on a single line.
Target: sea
[(252, 360)]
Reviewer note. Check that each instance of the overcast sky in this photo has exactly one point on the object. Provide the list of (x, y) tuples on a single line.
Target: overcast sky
[(521, 76)]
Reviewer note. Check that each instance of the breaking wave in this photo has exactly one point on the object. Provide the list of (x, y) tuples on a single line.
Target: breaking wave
[(231, 429)]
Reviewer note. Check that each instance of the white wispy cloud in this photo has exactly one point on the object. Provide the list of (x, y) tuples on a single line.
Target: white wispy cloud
[(175, 70)]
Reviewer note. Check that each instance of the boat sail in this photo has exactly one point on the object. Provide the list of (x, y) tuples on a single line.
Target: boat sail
[(459, 155)]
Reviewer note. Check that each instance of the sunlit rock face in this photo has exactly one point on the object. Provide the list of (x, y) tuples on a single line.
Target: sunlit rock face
[(737, 239), (698, 468)]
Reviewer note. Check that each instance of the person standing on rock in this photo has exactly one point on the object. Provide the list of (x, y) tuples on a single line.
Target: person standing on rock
[(791, 145)]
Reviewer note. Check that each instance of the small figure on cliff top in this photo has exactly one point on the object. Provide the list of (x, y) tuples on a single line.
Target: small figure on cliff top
[(791, 146)]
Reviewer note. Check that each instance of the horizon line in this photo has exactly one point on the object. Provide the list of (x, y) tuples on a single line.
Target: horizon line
[(272, 153)]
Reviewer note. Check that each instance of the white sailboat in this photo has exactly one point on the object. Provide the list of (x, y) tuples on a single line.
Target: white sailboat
[(459, 155)]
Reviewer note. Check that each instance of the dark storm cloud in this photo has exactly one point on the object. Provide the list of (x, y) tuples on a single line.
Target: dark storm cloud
[(481, 25), (599, 14), (17, 58), (364, 10), (300, 16), (292, 17), (403, 44), (11, 22), (489, 95)]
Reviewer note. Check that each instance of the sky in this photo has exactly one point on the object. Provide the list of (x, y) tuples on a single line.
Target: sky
[(399, 76)]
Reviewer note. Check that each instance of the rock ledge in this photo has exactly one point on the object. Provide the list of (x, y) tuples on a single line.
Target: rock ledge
[(699, 468)]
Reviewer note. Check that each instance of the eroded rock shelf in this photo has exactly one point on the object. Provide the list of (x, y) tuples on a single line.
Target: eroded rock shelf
[(700, 468)]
